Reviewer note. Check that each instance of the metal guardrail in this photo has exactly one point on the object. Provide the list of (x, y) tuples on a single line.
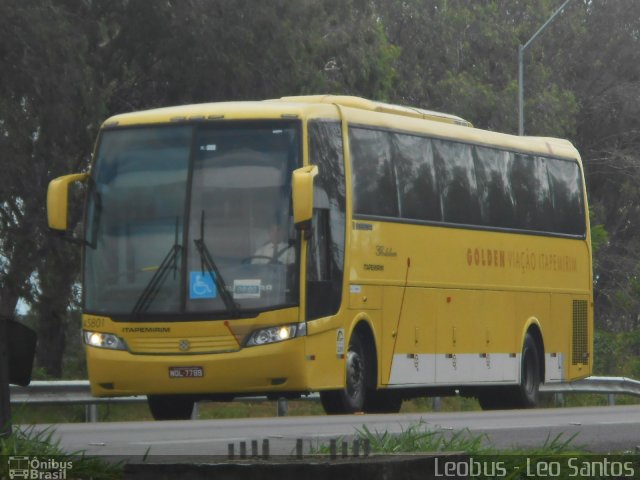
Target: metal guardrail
[(77, 392), (606, 385), (66, 392), (610, 386), (70, 392)]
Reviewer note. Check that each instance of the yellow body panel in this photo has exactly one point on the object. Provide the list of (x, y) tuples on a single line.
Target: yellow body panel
[(470, 291)]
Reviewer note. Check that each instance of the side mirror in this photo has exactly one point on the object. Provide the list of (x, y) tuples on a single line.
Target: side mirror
[(302, 182), (58, 200)]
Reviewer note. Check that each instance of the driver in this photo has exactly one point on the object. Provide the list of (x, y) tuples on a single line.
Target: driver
[(275, 250)]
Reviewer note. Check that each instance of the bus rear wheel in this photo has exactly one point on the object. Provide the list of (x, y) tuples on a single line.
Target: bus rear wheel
[(524, 395), (527, 393), (170, 407), (351, 398)]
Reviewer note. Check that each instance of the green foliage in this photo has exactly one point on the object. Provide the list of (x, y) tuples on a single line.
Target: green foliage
[(461, 57), (599, 237), (617, 354), (68, 65), (420, 437)]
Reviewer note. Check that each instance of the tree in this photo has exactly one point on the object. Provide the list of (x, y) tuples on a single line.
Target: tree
[(44, 132), (68, 65), (461, 57), (605, 76)]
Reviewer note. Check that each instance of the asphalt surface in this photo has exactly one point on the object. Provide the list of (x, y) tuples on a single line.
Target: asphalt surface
[(597, 429)]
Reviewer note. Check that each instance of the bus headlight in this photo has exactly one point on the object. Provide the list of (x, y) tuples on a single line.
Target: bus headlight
[(104, 340), (280, 333)]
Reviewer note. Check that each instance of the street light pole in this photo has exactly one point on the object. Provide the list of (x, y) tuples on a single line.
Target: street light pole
[(521, 51)]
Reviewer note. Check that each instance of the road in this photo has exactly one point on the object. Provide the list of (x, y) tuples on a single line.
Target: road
[(598, 429)]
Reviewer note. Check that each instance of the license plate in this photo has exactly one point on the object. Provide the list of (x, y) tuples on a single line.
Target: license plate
[(186, 372)]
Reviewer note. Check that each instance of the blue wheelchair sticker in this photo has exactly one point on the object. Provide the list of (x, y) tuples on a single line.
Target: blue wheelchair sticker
[(201, 285)]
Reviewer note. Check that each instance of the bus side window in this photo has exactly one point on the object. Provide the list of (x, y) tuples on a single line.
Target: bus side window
[(418, 193), (497, 202), (531, 192), (374, 182), (457, 181), (566, 195)]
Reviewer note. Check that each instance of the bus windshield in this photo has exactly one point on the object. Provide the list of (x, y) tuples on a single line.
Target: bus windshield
[(192, 219)]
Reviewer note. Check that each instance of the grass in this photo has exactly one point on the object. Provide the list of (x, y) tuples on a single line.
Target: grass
[(559, 451), (417, 438), (420, 438), (32, 443)]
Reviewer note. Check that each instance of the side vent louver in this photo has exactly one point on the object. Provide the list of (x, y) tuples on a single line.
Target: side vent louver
[(580, 350)]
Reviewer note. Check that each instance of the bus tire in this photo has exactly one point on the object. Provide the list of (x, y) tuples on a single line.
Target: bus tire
[(352, 397), (524, 395), (170, 407), (527, 393)]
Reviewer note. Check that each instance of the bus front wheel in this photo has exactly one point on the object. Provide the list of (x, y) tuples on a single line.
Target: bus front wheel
[(170, 407), (351, 398)]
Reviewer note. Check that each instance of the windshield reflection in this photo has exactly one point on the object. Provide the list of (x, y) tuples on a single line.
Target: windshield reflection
[(237, 189)]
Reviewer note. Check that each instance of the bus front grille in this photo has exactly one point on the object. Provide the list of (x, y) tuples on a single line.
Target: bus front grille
[(580, 344), (183, 345)]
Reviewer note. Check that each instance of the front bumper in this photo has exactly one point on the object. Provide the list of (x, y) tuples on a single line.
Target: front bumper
[(278, 367)]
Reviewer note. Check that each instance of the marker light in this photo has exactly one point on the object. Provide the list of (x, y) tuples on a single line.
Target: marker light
[(264, 336), (104, 340)]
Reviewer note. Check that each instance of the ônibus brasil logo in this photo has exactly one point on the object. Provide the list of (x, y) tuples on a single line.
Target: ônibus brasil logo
[(34, 468)]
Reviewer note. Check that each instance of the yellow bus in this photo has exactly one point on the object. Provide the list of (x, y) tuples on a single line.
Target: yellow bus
[(366, 251)]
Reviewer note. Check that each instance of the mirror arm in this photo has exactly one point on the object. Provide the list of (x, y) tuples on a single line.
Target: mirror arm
[(305, 227)]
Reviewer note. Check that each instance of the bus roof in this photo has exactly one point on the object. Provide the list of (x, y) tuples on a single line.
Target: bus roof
[(371, 106), (357, 110)]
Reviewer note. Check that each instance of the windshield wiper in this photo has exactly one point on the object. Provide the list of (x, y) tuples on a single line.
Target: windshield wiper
[(208, 263), (170, 262), (153, 287)]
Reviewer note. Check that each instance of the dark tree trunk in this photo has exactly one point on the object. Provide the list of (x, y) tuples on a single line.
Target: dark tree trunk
[(56, 273), (5, 404)]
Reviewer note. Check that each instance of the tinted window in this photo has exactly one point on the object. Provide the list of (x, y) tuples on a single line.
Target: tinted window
[(566, 196), (418, 178), (497, 203), (417, 185), (457, 182), (374, 184), (531, 192)]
